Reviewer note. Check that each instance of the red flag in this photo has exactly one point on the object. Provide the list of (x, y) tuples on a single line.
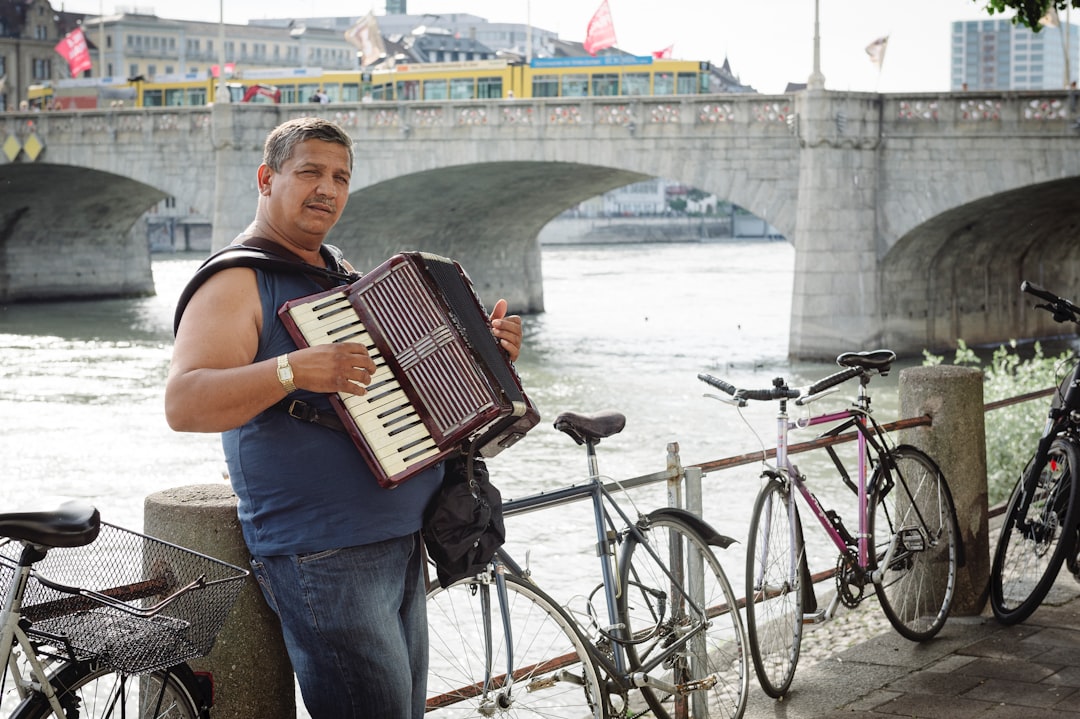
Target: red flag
[(72, 47), (664, 54), (601, 31)]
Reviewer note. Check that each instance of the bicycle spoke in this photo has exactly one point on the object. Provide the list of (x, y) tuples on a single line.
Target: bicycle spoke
[(551, 676), (683, 617), (1034, 540), (773, 592), (915, 544)]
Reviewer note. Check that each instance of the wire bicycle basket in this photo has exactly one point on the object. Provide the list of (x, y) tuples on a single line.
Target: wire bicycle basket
[(132, 602)]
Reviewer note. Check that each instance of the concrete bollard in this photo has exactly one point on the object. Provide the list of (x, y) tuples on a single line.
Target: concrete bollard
[(252, 674), (953, 398)]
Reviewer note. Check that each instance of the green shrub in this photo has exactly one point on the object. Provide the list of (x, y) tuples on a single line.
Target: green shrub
[(1011, 431)]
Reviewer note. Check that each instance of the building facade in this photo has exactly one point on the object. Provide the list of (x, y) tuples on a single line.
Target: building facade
[(29, 30), (997, 55)]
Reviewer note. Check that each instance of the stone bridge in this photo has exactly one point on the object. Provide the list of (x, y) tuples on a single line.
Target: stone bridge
[(914, 217)]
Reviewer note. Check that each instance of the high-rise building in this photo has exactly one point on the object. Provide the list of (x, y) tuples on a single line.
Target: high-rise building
[(997, 55)]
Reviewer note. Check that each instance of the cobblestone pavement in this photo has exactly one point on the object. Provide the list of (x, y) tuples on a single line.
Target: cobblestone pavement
[(857, 667)]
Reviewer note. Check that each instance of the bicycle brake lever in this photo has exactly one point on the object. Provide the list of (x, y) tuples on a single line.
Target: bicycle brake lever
[(806, 399), (726, 400)]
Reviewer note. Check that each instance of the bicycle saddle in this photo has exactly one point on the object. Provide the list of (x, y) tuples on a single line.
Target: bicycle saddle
[(590, 427), (73, 524), (880, 360)]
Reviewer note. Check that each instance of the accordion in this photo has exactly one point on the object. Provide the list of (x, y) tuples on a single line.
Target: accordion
[(442, 382)]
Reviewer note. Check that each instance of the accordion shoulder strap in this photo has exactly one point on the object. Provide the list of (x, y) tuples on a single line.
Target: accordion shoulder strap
[(265, 255)]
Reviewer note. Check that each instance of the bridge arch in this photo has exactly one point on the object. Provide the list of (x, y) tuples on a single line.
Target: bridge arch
[(958, 275), (67, 230)]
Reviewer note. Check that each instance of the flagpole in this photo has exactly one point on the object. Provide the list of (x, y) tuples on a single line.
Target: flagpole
[(528, 32), (816, 80), (222, 92)]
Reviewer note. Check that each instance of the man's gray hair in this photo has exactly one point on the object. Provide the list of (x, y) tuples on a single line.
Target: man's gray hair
[(284, 138)]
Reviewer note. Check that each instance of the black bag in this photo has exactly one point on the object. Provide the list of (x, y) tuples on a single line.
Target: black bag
[(463, 524)]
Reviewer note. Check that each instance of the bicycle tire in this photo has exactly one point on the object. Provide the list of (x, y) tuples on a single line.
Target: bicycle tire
[(716, 650), (550, 656), (92, 691), (915, 590), (1035, 535), (775, 568)]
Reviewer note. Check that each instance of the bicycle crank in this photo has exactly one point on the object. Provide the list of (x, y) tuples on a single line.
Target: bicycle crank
[(850, 584)]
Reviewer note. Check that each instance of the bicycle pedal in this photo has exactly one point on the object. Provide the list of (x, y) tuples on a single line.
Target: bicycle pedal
[(912, 539), (817, 617)]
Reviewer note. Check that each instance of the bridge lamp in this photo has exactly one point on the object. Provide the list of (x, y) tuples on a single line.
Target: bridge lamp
[(222, 93)]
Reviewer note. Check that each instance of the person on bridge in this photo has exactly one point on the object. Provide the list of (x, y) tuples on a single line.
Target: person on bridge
[(337, 557)]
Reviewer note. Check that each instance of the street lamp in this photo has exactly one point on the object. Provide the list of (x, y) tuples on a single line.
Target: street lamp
[(816, 80), (222, 92)]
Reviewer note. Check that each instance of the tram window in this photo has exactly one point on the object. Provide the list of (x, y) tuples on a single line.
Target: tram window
[(196, 96), (289, 95), (605, 85), (636, 83), (307, 92), (545, 86), (687, 83), (174, 97), (663, 83), (575, 86), (703, 83), (382, 92), (332, 91), (461, 88), (489, 88), (350, 92), (408, 89), (435, 90), (152, 98)]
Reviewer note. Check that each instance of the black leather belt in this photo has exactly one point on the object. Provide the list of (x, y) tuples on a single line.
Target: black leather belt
[(309, 413)]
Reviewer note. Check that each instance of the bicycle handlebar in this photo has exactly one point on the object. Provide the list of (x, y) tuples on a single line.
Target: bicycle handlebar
[(1062, 309), (834, 379), (774, 392), (780, 390)]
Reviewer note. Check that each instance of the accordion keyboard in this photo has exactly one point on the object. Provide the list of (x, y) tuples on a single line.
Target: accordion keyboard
[(383, 414)]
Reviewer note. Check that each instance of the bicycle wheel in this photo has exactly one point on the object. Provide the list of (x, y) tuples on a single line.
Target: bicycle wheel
[(683, 621), (1036, 536), (552, 675), (775, 566), (91, 691), (911, 514)]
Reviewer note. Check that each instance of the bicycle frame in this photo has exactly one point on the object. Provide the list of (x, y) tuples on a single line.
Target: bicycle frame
[(12, 635), (618, 665), (858, 417)]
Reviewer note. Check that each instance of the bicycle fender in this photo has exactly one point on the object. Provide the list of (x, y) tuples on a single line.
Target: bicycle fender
[(699, 525)]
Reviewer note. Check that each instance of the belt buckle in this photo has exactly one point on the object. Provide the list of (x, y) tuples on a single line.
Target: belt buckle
[(301, 410)]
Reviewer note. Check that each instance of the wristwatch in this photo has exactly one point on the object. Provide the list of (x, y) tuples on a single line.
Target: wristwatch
[(284, 374)]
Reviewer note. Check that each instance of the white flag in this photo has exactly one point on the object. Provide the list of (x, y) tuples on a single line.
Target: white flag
[(365, 36), (876, 50), (1050, 19)]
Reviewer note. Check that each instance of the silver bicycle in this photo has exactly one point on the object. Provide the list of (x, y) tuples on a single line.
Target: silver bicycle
[(662, 635), (98, 621)]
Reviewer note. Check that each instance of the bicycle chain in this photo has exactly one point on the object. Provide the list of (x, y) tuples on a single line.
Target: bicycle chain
[(849, 584)]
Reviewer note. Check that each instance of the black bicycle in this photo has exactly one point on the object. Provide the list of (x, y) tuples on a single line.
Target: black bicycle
[(1039, 532)]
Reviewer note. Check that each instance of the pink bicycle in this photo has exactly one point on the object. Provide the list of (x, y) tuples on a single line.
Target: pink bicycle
[(905, 548)]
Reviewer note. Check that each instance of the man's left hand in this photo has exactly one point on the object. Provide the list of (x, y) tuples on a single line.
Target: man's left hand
[(507, 329)]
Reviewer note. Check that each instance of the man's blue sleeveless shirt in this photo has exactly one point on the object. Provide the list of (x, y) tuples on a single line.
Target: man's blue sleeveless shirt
[(304, 487)]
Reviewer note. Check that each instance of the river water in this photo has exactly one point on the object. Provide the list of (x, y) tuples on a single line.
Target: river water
[(626, 327)]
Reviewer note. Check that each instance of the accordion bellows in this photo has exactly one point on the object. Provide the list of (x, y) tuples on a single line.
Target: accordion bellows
[(442, 383)]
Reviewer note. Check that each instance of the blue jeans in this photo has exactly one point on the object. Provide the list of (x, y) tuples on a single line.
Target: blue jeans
[(355, 626)]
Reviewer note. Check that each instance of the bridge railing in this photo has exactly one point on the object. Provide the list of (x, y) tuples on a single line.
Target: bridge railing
[(204, 518)]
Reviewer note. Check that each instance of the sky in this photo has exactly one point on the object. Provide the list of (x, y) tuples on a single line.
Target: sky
[(767, 42)]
